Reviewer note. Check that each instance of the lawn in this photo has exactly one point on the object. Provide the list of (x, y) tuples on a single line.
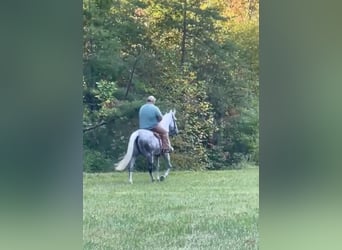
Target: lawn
[(189, 210)]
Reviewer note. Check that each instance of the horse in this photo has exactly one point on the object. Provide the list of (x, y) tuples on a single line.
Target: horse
[(144, 142)]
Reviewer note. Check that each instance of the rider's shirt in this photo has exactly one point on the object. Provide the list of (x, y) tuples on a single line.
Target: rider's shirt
[(148, 116)]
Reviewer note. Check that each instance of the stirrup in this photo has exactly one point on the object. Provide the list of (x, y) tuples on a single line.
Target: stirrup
[(166, 150)]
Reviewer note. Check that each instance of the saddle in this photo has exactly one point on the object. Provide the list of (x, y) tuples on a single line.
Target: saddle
[(159, 139), (160, 143), (156, 135)]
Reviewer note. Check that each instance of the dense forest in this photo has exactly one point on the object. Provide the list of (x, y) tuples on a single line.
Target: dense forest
[(198, 57)]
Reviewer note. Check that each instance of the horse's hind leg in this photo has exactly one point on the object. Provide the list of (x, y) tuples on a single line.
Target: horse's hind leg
[(130, 170), (150, 166)]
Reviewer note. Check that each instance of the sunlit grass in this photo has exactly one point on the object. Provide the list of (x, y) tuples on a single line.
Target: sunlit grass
[(190, 210)]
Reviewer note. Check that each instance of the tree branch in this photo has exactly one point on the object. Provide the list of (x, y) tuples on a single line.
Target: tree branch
[(94, 126)]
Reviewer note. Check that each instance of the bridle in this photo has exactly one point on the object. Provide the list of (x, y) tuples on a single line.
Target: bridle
[(174, 130)]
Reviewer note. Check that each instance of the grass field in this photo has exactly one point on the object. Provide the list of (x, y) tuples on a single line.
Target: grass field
[(189, 210)]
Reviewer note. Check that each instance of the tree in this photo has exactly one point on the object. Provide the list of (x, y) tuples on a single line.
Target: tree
[(200, 57)]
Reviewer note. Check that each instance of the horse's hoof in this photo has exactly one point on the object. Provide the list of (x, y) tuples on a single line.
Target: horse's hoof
[(162, 178)]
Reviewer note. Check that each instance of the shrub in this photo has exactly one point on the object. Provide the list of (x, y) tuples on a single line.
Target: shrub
[(95, 161), (186, 162)]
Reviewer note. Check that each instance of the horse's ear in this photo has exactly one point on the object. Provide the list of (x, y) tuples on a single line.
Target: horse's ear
[(174, 111)]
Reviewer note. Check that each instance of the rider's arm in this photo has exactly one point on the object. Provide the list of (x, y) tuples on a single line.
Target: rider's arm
[(158, 114), (159, 117)]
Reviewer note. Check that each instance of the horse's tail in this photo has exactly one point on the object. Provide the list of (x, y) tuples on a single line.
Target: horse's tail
[(128, 156)]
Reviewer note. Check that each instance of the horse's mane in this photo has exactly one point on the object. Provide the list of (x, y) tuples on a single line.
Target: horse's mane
[(166, 120)]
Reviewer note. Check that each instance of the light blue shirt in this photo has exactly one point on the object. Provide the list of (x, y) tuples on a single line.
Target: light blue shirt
[(148, 116)]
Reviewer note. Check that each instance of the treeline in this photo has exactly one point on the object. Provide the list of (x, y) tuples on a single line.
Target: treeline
[(199, 57)]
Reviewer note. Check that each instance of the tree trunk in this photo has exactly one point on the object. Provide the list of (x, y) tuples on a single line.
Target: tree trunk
[(184, 31), (129, 84)]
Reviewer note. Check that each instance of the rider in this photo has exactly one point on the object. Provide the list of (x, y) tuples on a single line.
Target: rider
[(149, 118)]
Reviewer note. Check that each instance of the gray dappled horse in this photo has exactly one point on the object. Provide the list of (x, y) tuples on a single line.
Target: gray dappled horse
[(143, 141)]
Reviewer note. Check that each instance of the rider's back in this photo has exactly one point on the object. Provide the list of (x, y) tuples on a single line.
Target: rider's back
[(148, 116)]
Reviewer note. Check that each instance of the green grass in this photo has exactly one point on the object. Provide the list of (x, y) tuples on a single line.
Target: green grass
[(189, 210)]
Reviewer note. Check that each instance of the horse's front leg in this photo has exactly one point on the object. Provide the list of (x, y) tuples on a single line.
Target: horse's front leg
[(169, 166), (158, 167)]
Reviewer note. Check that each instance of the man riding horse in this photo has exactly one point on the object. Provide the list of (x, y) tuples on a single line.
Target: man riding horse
[(149, 118)]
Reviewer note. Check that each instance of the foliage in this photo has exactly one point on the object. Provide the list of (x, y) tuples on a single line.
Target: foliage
[(200, 57), (244, 140), (95, 161)]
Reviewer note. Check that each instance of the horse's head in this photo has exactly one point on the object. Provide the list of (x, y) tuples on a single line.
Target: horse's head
[(173, 129)]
